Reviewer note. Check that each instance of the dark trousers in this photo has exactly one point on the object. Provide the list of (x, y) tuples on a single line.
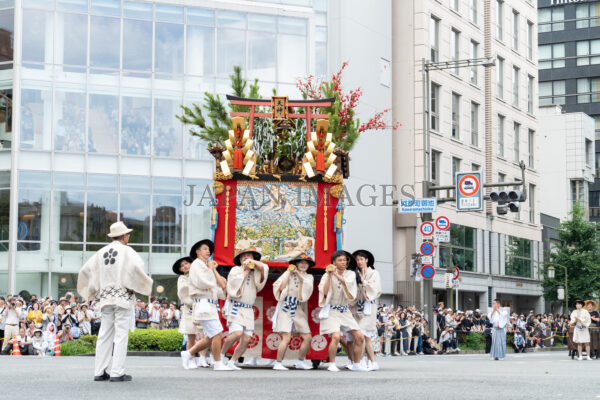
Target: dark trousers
[(450, 343), (1, 338), (488, 344), (519, 349)]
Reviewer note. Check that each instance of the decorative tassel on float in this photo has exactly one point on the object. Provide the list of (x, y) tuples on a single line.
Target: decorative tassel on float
[(319, 155), (238, 154)]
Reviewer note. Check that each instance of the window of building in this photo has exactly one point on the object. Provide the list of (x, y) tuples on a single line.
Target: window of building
[(586, 48), (455, 168), (474, 124), (551, 19), (552, 92), (475, 167), (518, 257), (500, 78), (501, 178), (474, 54), (529, 40), (500, 149), (515, 23), (321, 50), (589, 153), (474, 11), (103, 127), (137, 44), (262, 58), (515, 87), (576, 191), (463, 242), (436, 158), (455, 115), (551, 56), (531, 147), (435, 107), (587, 15), (516, 142), (499, 19), (456, 5), (455, 49), (530, 83), (588, 90), (434, 38), (597, 125), (531, 199), (36, 125)]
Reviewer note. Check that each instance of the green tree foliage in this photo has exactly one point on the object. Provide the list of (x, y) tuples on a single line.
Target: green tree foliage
[(214, 131), (579, 252)]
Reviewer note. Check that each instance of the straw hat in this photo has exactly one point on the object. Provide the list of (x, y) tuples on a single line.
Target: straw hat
[(351, 265), (252, 250), (303, 257), (118, 229), (368, 255), (199, 244), (177, 264), (592, 302)]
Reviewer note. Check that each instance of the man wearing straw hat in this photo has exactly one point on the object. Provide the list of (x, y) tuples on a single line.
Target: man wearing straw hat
[(592, 307), (110, 278)]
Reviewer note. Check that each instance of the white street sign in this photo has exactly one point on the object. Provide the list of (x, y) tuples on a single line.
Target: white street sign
[(448, 280), (426, 260), (441, 236)]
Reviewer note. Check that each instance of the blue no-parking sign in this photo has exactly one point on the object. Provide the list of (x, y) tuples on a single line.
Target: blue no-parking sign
[(427, 272), (427, 248)]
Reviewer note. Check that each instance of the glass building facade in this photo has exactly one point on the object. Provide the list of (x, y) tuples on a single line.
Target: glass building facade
[(88, 133)]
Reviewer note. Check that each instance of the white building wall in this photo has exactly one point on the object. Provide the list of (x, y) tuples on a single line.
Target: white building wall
[(564, 157), (360, 34)]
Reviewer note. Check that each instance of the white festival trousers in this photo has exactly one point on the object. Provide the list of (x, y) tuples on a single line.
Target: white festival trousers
[(113, 329), (9, 332)]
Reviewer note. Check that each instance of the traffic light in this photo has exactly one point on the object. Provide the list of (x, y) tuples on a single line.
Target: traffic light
[(508, 200)]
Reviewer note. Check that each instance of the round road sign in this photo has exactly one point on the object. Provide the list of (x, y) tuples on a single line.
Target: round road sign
[(442, 223), (427, 248), (468, 185), (427, 229), (456, 273), (427, 272)]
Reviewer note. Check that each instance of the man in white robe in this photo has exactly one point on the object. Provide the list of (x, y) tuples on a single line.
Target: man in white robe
[(337, 290), (365, 308), (206, 288), (243, 283), (292, 291), (110, 278)]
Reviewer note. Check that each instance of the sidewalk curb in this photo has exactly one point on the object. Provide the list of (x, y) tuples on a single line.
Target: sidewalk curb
[(141, 354), (483, 351), (177, 354)]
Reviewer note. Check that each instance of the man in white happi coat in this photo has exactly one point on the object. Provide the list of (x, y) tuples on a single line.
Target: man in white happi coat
[(243, 283), (292, 290), (110, 278), (365, 308), (206, 288), (187, 327), (337, 290)]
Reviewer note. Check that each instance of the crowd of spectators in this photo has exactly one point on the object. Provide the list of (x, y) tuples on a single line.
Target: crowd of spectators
[(159, 314), (405, 331), (38, 322)]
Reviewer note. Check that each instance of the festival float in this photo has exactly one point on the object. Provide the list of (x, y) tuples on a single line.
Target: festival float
[(278, 186)]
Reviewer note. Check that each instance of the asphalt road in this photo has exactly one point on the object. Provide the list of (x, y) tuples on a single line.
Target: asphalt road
[(548, 375)]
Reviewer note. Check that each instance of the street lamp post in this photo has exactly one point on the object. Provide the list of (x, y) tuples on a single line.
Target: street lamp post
[(427, 285), (551, 275)]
